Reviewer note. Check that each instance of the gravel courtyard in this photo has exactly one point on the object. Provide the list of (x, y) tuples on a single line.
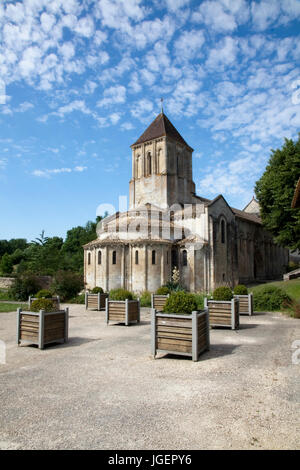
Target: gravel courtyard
[(103, 390)]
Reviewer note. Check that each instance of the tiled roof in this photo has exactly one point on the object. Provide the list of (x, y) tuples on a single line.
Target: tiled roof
[(237, 212), (160, 127)]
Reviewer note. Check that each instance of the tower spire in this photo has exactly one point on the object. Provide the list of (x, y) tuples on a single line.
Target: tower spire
[(162, 108)]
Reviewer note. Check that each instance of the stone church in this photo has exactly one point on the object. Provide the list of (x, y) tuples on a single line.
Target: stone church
[(168, 225)]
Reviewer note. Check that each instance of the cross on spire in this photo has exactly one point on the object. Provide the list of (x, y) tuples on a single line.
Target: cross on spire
[(161, 101)]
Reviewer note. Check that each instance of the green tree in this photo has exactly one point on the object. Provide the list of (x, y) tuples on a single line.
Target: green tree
[(275, 190), (72, 247), (41, 240), (6, 264)]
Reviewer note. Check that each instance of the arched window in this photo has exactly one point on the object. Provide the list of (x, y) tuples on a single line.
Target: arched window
[(149, 164), (114, 257), (136, 257), (153, 256), (137, 168), (159, 161), (223, 236), (89, 258), (184, 258), (99, 257)]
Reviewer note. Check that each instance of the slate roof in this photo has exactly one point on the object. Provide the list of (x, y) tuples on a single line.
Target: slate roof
[(160, 127)]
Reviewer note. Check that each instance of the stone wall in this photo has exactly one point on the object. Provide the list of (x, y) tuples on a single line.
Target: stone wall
[(6, 282)]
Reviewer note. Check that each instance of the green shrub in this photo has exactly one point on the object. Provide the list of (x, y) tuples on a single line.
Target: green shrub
[(199, 299), (181, 303), (44, 293), (78, 299), (67, 284), (163, 290), (174, 287), (270, 298), (6, 265), (25, 284), (145, 299), (42, 304), (240, 289), (120, 294), (292, 266), (5, 294), (97, 290), (222, 293)]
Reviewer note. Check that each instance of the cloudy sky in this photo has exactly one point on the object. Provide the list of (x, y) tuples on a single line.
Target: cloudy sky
[(80, 80)]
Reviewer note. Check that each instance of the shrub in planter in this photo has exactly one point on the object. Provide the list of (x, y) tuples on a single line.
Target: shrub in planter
[(163, 290), (240, 289), (270, 298), (174, 287), (181, 303), (180, 328), (145, 299), (78, 299), (222, 293), (120, 294), (44, 293), (42, 304), (24, 285), (97, 290), (199, 299), (67, 284)]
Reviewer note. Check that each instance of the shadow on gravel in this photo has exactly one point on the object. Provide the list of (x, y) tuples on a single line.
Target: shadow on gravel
[(142, 322), (215, 351), (219, 350), (73, 341), (246, 326)]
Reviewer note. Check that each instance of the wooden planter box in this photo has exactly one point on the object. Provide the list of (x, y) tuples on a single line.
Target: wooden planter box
[(245, 304), (223, 313), (122, 311), (55, 300), (158, 301), (42, 327), (186, 335), (95, 301)]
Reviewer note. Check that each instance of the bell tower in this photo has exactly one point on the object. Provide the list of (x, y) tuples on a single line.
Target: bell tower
[(161, 167)]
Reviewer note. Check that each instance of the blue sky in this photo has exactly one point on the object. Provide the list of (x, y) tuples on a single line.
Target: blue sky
[(81, 80)]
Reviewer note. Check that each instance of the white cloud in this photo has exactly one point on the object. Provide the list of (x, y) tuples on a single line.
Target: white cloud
[(56, 171), (142, 109), (23, 107), (113, 95), (174, 5), (80, 168), (264, 13), (85, 27), (189, 44), (77, 105), (30, 61), (127, 126), (115, 118), (89, 87), (224, 54), (47, 22)]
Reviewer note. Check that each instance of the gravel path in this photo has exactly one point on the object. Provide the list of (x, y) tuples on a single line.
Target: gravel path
[(103, 390)]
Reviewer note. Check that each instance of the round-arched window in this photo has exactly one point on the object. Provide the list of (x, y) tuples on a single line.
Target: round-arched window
[(184, 258)]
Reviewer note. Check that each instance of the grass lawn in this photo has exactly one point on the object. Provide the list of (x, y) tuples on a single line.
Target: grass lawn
[(4, 294), (292, 288), (4, 307)]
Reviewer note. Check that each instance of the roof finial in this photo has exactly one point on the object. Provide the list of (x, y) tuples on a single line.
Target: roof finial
[(162, 108)]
